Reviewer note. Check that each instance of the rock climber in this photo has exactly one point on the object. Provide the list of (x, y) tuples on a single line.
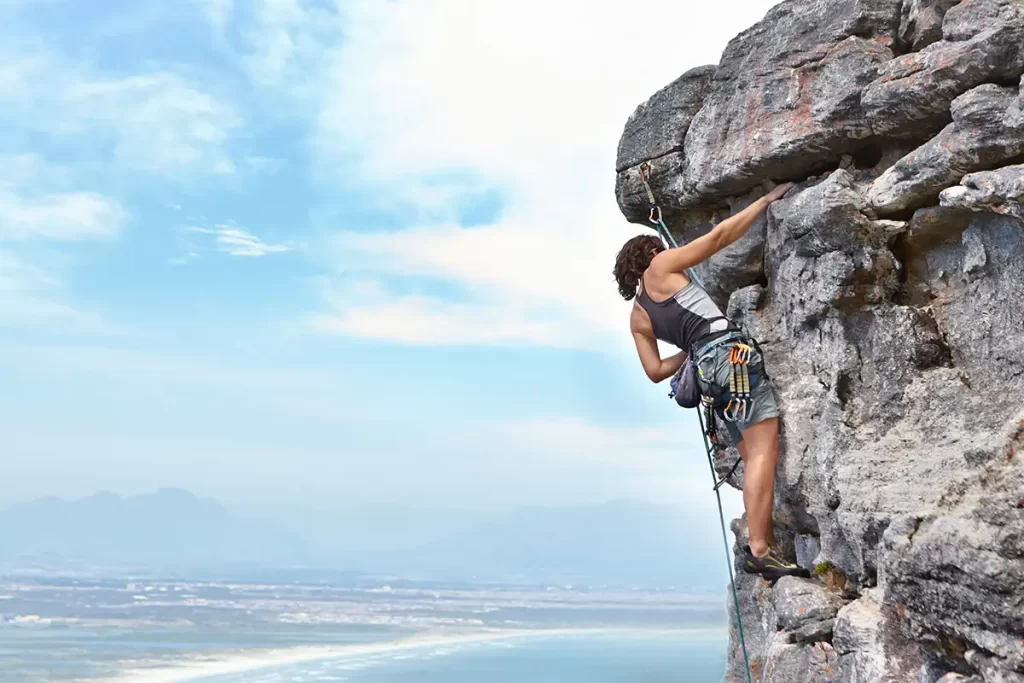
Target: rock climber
[(671, 307)]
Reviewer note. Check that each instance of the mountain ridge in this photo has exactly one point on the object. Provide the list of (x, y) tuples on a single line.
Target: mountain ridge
[(617, 542)]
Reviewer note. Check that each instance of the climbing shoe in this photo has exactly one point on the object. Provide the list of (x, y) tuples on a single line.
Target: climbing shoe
[(771, 566)]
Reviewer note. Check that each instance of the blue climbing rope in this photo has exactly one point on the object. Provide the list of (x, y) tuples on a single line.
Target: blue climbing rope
[(656, 218), (709, 447)]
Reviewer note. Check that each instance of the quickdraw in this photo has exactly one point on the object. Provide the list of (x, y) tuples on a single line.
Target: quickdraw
[(739, 382), (656, 217)]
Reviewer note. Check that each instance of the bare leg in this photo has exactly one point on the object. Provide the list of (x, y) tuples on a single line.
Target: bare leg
[(742, 448), (760, 452)]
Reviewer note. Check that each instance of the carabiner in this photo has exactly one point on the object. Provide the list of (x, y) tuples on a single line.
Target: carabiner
[(645, 172), (732, 410)]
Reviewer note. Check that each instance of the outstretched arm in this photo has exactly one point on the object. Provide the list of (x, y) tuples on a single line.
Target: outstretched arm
[(723, 234), (657, 368)]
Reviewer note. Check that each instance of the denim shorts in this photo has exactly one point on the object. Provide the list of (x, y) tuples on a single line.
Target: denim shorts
[(714, 370)]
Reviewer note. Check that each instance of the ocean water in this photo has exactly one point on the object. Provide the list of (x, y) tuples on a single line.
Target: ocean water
[(635, 657)]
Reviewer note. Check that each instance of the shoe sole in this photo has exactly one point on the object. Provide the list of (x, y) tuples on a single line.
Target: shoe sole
[(775, 574)]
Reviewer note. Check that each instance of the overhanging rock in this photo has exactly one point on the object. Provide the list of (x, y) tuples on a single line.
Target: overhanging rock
[(888, 293)]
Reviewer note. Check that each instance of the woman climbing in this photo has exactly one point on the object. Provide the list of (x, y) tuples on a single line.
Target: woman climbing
[(671, 307)]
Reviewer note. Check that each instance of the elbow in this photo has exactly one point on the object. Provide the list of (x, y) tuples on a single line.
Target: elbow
[(657, 375)]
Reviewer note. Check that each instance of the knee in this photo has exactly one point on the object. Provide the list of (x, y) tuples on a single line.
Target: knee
[(766, 456)]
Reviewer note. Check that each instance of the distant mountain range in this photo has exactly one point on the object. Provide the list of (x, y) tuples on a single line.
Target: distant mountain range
[(168, 528), (618, 543)]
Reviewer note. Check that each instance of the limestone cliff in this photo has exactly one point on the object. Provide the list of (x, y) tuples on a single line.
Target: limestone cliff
[(888, 292)]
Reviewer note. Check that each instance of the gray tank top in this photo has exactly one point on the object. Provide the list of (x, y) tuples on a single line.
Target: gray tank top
[(685, 317)]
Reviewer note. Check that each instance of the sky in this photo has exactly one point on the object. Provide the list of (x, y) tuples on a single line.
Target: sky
[(332, 253)]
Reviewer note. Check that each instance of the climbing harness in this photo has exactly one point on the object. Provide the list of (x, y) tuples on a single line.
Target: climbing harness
[(656, 218)]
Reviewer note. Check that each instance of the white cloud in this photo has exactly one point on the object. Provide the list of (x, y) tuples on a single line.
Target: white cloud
[(12, 81), (32, 222), (238, 242), (289, 45), (69, 216), (217, 12), (262, 164), (157, 122), (225, 238), (575, 440), (152, 121), (654, 463), (531, 94), (427, 104), (424, 320), (31, 297), (59, 213)]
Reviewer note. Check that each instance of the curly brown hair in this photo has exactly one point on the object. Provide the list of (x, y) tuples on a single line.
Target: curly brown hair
[(632, 260)]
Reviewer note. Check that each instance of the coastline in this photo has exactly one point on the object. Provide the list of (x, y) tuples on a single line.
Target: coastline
[(186, 669)]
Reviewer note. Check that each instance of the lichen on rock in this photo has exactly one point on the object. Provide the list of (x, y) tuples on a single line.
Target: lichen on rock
[(887, 291)]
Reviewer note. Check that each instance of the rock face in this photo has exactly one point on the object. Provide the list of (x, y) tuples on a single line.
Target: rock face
[(986, 132), (887, 290)]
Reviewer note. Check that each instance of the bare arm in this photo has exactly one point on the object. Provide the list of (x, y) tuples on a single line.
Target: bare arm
[(723, 234), (657, 368)]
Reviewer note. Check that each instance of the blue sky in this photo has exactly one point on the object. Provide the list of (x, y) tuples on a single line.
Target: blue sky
[(280, 251)]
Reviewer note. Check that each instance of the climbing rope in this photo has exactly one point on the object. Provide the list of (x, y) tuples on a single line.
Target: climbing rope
[(656, 217), (708, 431)]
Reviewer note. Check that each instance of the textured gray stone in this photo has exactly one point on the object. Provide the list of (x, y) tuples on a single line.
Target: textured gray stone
[(982, 43), (807, 549), (658, 126), (935, 225), (800, 601), (921, 22), (991, 670), (954, 677), (999, 191), (655, 133), (871, 647), (980, 137), (804, 662), (787, 94), (759, 627), (894, 346)]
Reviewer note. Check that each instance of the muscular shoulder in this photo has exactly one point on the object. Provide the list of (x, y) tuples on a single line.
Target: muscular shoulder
[(662, 282), (639, 321)]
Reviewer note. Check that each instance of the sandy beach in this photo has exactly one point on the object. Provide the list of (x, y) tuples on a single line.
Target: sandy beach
[(251, 660)]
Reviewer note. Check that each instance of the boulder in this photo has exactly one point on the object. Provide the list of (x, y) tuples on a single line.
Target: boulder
[(810, 662), (983, 42), (921, 22), (799, 602), (655, 133), (981, 136), (999, 191), (786, 98)]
